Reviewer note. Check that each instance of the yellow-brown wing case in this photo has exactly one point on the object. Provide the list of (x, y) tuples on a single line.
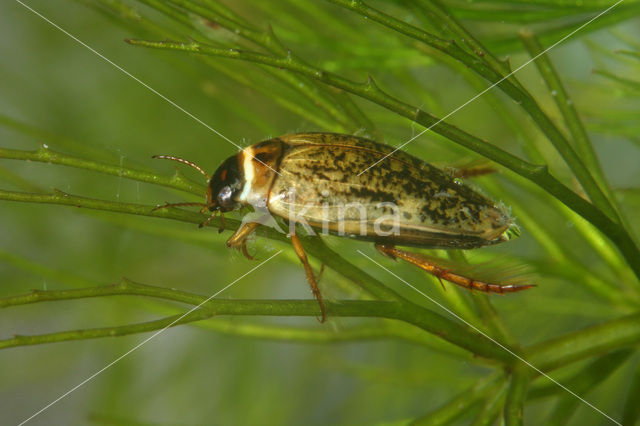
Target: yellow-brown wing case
[(319, 182)]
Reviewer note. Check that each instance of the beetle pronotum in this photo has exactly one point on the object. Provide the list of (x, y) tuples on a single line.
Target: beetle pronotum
[(311, 178)]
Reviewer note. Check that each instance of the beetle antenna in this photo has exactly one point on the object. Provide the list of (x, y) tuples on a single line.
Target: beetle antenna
[(183, 161)]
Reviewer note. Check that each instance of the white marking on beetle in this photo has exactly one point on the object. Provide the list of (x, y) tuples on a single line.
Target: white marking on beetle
[(249, 173)]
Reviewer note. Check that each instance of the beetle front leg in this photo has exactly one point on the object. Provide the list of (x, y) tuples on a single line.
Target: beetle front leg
[(239, 238), (299, 249)]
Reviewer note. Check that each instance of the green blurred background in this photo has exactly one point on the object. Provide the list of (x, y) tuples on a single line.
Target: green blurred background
[(77, 103)]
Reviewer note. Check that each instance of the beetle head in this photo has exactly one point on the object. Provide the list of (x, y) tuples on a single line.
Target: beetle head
[(225, 185)]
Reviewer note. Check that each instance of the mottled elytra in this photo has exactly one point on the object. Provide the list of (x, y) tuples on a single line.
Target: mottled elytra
[(311, 179)]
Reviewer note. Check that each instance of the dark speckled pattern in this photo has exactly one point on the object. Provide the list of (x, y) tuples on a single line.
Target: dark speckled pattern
[(319, 179)]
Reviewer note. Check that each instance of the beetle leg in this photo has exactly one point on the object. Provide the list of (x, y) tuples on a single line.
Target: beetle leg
[(297, 246), (442, 273), (239, 238), (245, 252), (207, 220)]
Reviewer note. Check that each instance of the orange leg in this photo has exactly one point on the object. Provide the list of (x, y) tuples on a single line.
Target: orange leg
[(239, 238), (297, 246), (441, 273)]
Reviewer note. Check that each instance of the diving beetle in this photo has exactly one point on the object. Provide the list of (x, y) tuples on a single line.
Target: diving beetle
[(312, 178)]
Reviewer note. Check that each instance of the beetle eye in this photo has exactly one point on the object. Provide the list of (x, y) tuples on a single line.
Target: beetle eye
[(224, 196)]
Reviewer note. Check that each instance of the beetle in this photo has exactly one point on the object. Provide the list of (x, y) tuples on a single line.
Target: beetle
[(311, 179)]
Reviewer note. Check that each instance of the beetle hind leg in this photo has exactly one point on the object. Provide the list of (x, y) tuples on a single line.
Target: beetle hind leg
[(299, 249), (442, 273)]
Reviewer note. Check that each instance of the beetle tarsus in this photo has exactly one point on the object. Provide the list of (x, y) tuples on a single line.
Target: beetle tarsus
[(208, 220), (384, 250), (245, 252), (428, 265)]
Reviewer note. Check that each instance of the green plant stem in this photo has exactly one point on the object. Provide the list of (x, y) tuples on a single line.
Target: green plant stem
[(52, 138), (516, 93), (493, 406), (625, 10), (423, 318), (606, 250), (627, 82), (368, 90), (268, 41), (125, 12), (440, 16), (309, 308), (507, 13), (567, 109), (631, 411), (554, 353), (591, 376), (213, 308), (387, 329), (486, 311), (403, 311), (513, 407), (373, 332), (317, 249), (565, 263), (462, 403), (631, 53), (315, 245), (46, 155), (558, 352), (600, 244)]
